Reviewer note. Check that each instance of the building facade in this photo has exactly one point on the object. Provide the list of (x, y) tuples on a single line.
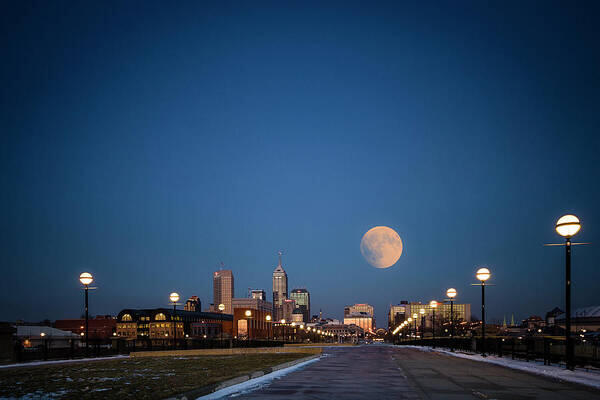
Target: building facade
[(223, 289), (302, 299), (362, 320), (280, 289), (250, 318), (287, 309), (462, 312), (397, 315), (160, 323), (259, 294), (193, 304), (99, 327)]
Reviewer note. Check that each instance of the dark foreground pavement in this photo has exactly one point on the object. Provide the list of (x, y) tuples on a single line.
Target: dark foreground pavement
[(386, 372)]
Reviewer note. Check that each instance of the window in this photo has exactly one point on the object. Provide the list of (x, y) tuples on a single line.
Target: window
[(126, 317), (160, 317)]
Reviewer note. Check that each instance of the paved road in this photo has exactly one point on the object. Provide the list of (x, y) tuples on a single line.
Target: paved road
[(386, 372)]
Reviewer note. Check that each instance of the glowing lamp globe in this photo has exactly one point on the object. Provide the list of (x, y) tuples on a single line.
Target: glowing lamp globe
[(248, 313), (415, 315), (301, 326), (86, 278), (422, 311), (483, 274), (174, 297), (221, 307), (568, 225), (433, 304), (451, 293), (268, 317), (282, 321), (409, 319)]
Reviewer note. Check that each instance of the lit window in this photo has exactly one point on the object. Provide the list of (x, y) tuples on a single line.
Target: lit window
[(126, 317), (160, 317)]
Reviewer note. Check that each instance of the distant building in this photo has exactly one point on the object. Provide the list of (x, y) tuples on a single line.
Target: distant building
[(397, 315), (297, 315), (361, 319), (462, 312), (159, 323), (551, 316), (587, 318), (223, 289), (193, 304), (302, 298), (287, 309), (280, 289), (34, 336), (358, 308), (259, 294), (100, 327), (255, 325), (344, 332)]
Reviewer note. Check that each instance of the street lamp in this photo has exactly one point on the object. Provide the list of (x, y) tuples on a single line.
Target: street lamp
[(422, 312), (483, 274), (248, 315), (433, 304), (451, 293), (221, 309), (415, 316), (268, 319), (86, 279), (174, 297), (567, 226), (283, 328)]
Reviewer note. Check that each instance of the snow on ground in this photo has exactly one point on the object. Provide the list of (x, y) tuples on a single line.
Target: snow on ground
[(256, 383), (587, 378), (34, 363)]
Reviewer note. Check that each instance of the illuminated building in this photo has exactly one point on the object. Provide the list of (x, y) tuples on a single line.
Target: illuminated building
[(100, 327), (297, 315), (158, 323), (223, 289), (358, 308), (254, 325), (397, 315), (302, 298), (287, 309), (193, 304), (462, 312), (259, 294), (280, 289), (360, 319)]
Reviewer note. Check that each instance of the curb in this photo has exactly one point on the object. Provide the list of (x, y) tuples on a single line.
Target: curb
[(203, 391)]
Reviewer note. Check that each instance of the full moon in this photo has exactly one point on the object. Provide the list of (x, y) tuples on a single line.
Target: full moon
[(381, 247)]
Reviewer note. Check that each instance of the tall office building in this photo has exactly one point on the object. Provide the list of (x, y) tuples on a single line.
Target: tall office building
[(302, 298), (280, 289), (258, 294), (223, 289)]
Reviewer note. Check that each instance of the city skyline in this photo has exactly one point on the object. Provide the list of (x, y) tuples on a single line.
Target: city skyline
[(147, 144)]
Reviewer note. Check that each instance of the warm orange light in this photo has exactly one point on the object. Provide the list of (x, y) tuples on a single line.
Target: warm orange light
[(483, 274), (221, 307), (433, 304), (422, 311), (86, 278), (568, 225), (174, 297), (248, 313), (451, 293), (268, 317), (283, 321)]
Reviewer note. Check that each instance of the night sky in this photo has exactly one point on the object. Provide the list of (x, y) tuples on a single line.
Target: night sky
[(148, 142)]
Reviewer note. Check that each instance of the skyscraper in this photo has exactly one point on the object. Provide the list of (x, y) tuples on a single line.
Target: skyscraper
[(302, 298), (223, 289), (280, 289)]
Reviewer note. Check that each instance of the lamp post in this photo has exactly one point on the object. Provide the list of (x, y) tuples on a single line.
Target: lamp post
[(248, 315), (483, 274), (174, 297), (433, 304), (567, 226), (86, 278), (221, 309), (268, 319), (422, 312), (415, 316), (409, 321), (282, 322), (451, 293)]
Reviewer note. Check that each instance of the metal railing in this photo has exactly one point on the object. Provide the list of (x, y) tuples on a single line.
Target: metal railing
[(549, 350)]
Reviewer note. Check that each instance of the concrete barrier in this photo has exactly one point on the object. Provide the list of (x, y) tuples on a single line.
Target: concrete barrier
[(227, 352)]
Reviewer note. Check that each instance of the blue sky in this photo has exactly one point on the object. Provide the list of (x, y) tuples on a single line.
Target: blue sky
[(147, 142)]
